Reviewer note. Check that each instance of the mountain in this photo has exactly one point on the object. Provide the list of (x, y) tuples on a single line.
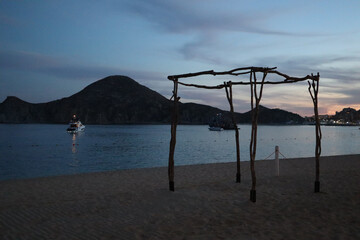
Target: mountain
[(273, 116), (121, 100), (114, 99)]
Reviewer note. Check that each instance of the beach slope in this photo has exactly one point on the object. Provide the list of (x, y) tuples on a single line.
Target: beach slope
[(206, 204)]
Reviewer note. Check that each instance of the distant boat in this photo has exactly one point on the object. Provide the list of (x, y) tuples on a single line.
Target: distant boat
[(219, 123), (75, 125), (215, 128)]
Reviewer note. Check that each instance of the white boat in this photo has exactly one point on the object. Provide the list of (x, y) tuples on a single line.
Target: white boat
[(217, 123), (215, 128), (75, 125)]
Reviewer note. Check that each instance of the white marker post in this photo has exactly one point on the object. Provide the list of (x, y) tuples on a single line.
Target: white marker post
[(277, 163)]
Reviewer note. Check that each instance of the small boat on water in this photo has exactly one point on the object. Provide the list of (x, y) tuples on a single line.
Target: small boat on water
[(219, 123), (214, 128), (75, 125)]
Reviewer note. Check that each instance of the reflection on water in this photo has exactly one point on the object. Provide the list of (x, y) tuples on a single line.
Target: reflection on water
[(74, 149), (34, 150), (74, 143)]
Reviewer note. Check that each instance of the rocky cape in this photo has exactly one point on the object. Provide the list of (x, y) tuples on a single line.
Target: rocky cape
[(121, 100)]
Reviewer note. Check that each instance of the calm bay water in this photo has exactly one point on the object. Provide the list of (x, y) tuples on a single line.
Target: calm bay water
[(37, 150)]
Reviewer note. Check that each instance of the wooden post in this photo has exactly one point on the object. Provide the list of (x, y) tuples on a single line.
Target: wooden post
[(230, 100), (277, 167), (252, 158), (314, 96), (173, 136), (253, 140)]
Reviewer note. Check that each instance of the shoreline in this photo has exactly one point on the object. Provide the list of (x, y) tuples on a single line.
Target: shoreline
[(176, 166), (206, 204), (184, 124)]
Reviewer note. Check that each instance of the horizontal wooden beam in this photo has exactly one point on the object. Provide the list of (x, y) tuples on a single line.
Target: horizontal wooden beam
[(234, 72), (289, 80)]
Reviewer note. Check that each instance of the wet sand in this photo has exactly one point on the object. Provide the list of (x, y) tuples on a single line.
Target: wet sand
[(206, 204)]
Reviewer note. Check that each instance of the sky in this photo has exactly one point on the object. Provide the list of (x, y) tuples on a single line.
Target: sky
[(53, 49)]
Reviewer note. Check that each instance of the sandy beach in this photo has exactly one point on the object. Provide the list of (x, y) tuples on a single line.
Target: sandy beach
[(207, 203)]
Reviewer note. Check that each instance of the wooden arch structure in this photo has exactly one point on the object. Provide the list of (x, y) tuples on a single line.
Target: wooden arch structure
[(256, 87)]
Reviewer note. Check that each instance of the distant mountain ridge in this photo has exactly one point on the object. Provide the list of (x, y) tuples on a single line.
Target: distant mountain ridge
[(121, 100)]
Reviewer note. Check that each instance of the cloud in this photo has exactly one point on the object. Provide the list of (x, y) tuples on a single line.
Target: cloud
[(65, 69), (203, 25), (8, 20), (329, 66), (39, 63), (350, 97), (189, 16), (214, 97), (339, 80), (17, 60), (198, 50)]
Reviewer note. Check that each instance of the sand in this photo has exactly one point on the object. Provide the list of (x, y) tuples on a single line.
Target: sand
[(206, 204)]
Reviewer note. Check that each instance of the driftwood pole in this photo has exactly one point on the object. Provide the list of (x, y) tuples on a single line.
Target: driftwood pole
[(173, 136), (230, 99), (254, 123), (314, 96)]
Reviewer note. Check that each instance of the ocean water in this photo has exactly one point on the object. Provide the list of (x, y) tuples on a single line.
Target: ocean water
[(38, 150)]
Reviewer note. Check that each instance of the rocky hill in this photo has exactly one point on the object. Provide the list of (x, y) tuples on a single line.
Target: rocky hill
[(121, 100), (347, 115), (273, 116)]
